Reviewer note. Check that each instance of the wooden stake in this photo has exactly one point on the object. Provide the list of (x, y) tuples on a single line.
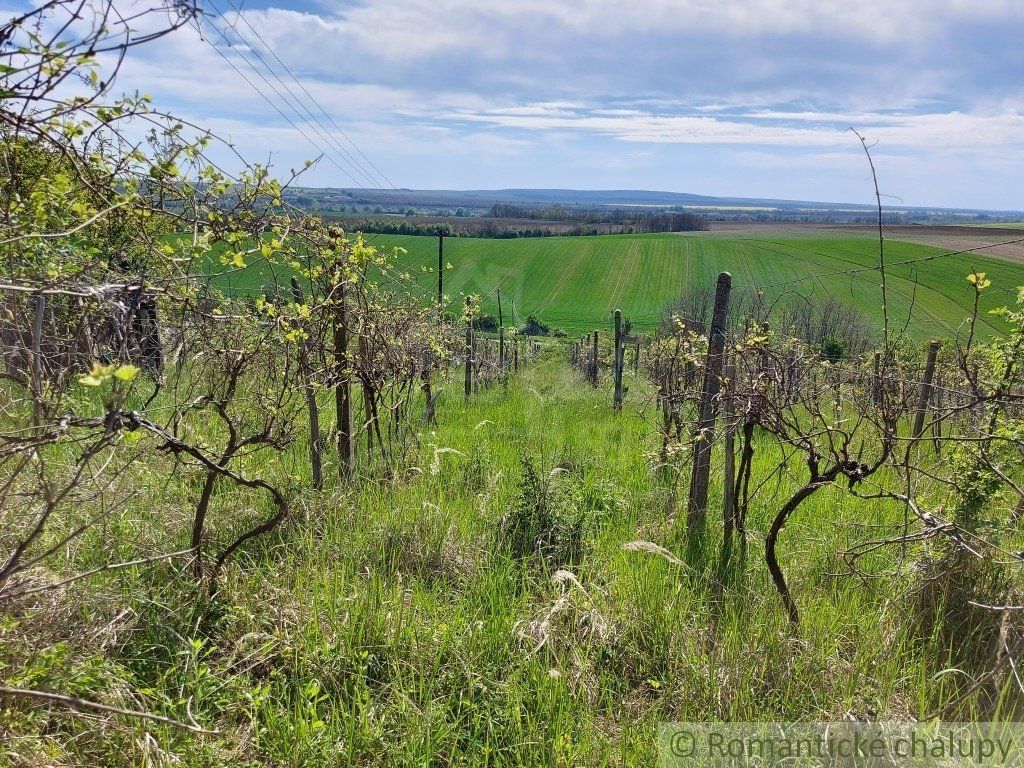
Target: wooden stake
[(440, 276), (729, 418), (343, 386), (469, 347), (617, 397), (708, 411), (925, 396), (501, 351)]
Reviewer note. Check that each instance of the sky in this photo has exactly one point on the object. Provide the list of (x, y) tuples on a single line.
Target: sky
[(750, 98)]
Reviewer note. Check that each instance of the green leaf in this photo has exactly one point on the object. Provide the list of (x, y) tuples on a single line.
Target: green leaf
[(127, 372)]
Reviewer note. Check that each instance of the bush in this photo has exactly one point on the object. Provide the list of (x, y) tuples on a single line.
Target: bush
[(832, 350), (486, 322), (542, 525), (534, 327), (555, 517)]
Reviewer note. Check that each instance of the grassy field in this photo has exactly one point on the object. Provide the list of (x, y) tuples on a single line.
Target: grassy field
[(576, 282), (387, 624)]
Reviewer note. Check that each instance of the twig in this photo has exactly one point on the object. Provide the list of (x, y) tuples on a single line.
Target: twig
[(997, 607), (100, 569), (72, 701), (66, 233)]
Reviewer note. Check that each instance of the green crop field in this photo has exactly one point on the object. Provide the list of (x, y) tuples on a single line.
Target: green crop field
[(576, 282)]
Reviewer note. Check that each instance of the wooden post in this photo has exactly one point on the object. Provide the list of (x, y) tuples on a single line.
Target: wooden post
[(729, 419), (515, 354), (477, 357), (925, 395), (593, 363), (343, 385), (469, 347), (429, 413), (440, 276), (708, 410), (148, 331), (617, 397), (370, 415), (315, 459), (501, 351), (636, 359)]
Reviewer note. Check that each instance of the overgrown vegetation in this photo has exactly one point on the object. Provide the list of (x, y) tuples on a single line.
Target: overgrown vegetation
[(322, 523)]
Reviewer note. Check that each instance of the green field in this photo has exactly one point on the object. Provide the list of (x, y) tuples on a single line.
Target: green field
[(576, 282), (387, 626)]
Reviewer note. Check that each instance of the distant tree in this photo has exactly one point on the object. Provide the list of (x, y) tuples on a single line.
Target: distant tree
[(486, 322), (534, 327)]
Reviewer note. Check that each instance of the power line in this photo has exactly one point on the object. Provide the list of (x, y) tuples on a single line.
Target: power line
[(326, 153), (294, 102), (276, 108), (323, 111)]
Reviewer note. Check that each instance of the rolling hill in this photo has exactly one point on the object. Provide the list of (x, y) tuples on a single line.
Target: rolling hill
[(575, 283)]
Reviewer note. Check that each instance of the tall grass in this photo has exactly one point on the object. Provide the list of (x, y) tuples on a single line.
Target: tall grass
[(388, 625)]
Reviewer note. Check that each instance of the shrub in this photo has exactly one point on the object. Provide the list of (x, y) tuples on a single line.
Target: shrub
[(485, 322), (534, 327), (542, 525), (832, 350)]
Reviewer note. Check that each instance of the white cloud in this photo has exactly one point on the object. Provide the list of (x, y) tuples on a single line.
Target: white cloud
[(400, 29), (952, 130), (446, 89)]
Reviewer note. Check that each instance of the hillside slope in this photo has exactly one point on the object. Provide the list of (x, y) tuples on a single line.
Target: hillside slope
[(576, 282)]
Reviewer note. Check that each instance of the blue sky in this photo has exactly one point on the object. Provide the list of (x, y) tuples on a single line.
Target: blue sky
[(717, 97)]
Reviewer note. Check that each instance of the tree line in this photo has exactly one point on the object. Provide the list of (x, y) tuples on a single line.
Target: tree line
[(633, 219)]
